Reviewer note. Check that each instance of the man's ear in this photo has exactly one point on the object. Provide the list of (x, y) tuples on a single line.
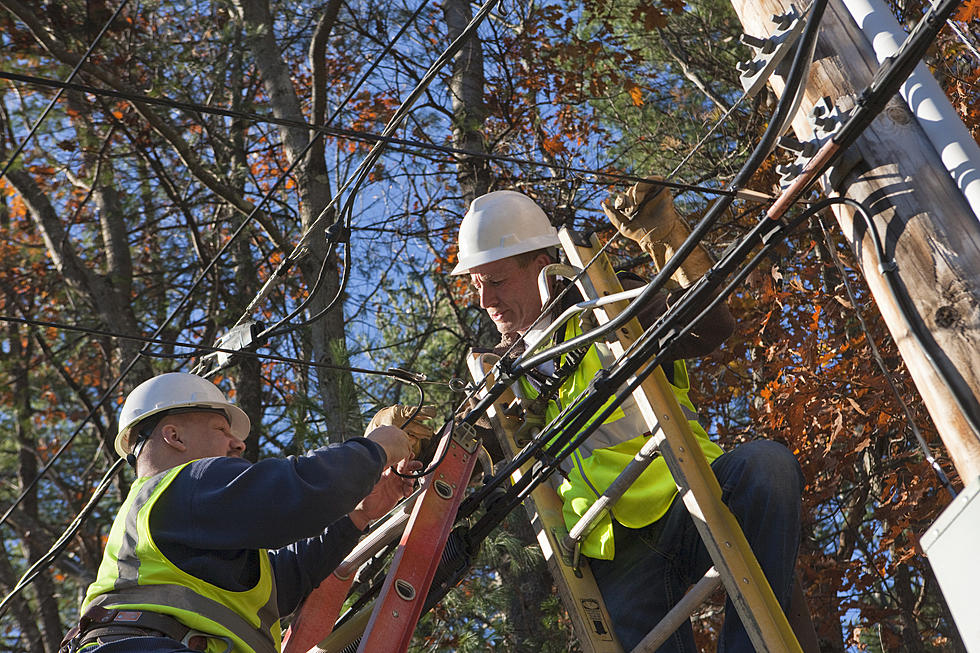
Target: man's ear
[(541, 261), (173, 437)]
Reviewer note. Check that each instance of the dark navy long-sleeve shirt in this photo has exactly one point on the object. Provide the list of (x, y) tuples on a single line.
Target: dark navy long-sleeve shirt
[(218, 512)]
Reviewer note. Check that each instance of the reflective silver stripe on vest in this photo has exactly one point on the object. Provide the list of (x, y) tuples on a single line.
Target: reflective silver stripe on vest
[(126, 588), (127, 562), (186, 599)]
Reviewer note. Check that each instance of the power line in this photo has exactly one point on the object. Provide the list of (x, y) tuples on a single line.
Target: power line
[(598, 176), (103, 485), (153, 340), (361, 171), (252, 214), (54, 100)]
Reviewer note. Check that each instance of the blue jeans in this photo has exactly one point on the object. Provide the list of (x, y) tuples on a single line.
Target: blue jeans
[(761, 484)]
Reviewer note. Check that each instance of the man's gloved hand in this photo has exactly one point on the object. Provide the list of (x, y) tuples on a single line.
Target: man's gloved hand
[(644, 213), (397, 415)]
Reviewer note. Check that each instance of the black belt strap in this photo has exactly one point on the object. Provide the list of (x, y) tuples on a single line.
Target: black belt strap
[(115, 622)]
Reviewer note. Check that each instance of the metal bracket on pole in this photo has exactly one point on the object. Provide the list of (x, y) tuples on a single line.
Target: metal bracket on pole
[(769, 51), (825, 120)]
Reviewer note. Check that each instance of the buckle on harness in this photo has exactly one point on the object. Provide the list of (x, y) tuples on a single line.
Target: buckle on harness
[(201, 646)]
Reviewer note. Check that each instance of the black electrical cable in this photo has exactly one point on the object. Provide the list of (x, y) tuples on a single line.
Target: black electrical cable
[(363, 169), (254, 212), (205, 348), (892, 384), (553, 443), (796, 77), (766, 232), (59, 546), (275, 329), (132, 363), (103, 484), (349, 134), (54, 100)]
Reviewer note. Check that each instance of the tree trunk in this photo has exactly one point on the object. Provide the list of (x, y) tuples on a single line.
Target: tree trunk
[(327, 337), (469, 111)]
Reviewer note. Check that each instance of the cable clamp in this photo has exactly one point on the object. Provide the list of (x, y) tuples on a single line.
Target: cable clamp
[(770, 51), (337, 233), (825, 119), (242, 337), (406, 376)]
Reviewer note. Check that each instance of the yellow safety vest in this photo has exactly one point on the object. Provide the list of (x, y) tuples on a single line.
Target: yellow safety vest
[(648, 498), (135, 574)]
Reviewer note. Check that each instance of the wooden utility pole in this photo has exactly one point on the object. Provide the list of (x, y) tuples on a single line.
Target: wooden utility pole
[(923, 218)]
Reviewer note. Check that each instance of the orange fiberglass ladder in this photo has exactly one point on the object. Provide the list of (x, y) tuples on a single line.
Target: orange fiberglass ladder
[(389, 625)]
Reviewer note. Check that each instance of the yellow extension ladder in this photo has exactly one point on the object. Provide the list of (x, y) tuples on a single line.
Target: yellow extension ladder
[(388, 623)]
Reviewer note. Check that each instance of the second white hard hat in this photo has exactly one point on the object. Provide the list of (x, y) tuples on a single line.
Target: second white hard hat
[(175, 390), (501, 224)]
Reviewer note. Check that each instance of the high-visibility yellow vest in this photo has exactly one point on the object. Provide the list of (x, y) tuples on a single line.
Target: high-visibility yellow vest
[(595, 465), (135, 574)]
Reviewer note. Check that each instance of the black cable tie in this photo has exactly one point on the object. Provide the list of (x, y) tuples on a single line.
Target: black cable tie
[(406, 375), (778, 226), (338, 232), (888, 267)]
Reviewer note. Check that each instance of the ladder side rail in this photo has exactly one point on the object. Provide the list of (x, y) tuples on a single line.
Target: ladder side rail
[(319, 613), (577, 588), (762, 616), (400, 603)]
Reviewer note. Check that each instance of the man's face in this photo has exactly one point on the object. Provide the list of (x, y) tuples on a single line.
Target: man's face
[(509, 292), (208, 435)]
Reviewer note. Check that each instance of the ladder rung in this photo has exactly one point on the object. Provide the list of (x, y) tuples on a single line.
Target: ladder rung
[(680, 613)]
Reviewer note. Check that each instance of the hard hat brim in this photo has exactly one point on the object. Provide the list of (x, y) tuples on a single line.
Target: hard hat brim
[(467, 263)]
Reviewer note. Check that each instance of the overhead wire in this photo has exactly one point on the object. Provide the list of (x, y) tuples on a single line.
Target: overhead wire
[(789, 100), (319, 134), (224, 248), (104, 483), (580, 413), (202, 275), (911, 424), (78, 66), (371, 137), (718, 298), (796, 77), (651, 349)]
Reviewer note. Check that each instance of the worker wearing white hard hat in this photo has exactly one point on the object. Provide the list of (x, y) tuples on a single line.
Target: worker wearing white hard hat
[(504, 244), (197, 558), (170, 393)]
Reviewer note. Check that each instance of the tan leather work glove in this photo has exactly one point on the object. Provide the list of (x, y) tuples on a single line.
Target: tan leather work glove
[(396, 416), (655, 225)]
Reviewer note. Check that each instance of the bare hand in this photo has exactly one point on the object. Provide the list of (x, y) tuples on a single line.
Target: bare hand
[(387, 492)]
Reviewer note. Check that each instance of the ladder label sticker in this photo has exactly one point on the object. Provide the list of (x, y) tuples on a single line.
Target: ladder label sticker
[(593, 613)]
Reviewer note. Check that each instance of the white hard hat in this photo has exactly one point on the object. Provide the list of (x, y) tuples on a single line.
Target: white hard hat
[(176, 390), (501, 224)]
